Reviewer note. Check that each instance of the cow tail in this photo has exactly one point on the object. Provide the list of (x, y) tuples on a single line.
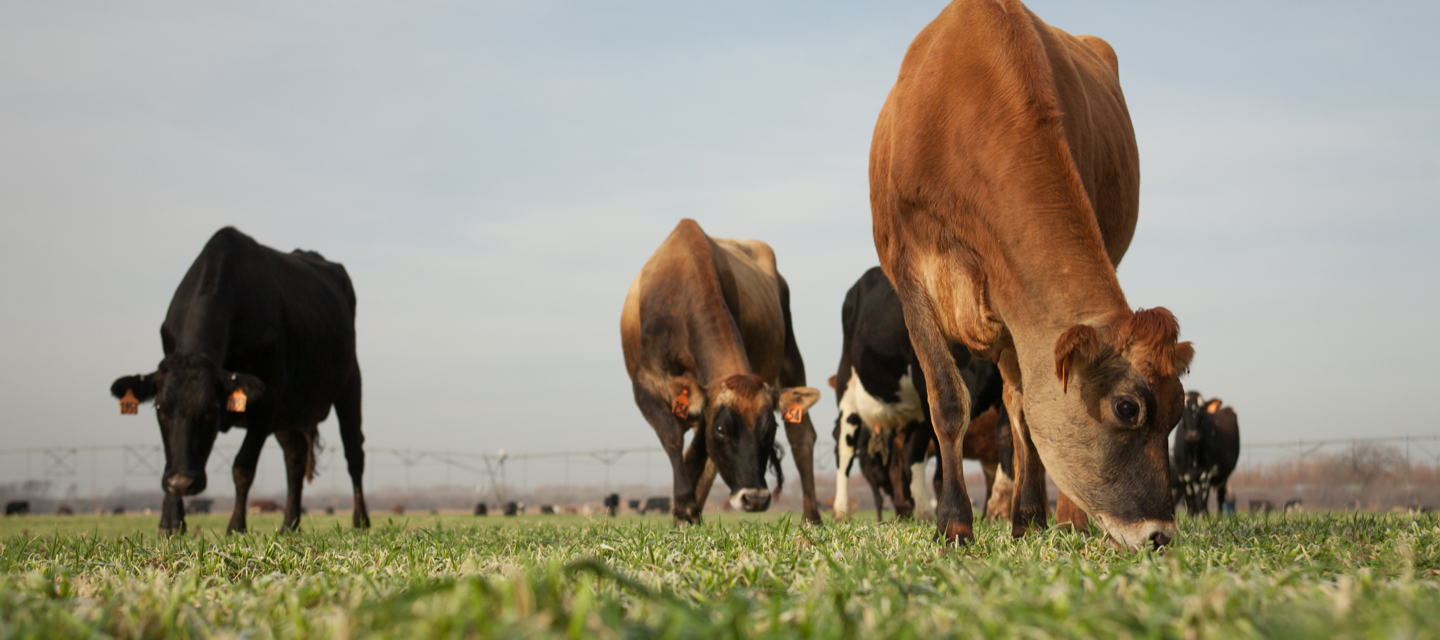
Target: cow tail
[(776, 456), (312, 444)]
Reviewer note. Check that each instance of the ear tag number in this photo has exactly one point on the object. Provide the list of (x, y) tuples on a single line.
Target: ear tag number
[(681, 408), (129, 406), (793, 414), (236, 402)]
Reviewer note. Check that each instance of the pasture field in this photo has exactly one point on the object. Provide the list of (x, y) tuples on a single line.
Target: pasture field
[(1311, 575)]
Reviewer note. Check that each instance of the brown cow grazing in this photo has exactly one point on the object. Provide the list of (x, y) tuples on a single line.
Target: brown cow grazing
[(1004, 188), (709, 348)]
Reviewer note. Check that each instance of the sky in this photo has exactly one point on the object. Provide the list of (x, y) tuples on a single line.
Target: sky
[(494, 174)]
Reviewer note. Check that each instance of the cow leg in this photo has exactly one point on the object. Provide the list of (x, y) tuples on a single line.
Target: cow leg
[(172, 515), (898, 470), (915, 454), (879, 502), (845, 451), (1221, 492), (949, 410), (1069, 515), (244, 473), (802, 448), (705, 482), (1030, 500), (298, 456), (672, 438), (989, 469), (1028, 510), (347, 411), (1002, 495), (1205, 494)]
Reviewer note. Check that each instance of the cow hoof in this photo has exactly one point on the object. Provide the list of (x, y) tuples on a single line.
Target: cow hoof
[(955, 534)]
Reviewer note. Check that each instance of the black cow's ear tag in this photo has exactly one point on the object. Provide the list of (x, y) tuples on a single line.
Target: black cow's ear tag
[(236, 402), (681, 408), (793, 414), (129, 406)]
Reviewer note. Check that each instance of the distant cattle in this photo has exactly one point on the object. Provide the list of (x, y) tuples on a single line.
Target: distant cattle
[(656, 505), (884, 413), (612, 504), (1004, 190), (17, 507), (514, 508), (64, 510), (1205, 452), (199, 505), (397, 509), (262, 340), (264, 506), (547, 509), (481, 509), (709, 348)]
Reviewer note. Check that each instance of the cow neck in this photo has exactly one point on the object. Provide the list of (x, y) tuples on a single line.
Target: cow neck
[(1056, 288), (206, 329), (719, 351)]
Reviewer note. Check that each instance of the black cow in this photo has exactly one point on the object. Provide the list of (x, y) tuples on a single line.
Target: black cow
[(1206, 449), (262, 340), (17, 508), (880, 386)]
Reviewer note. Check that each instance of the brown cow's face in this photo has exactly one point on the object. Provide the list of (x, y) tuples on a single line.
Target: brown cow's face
[(740, 438), (1102, 428)]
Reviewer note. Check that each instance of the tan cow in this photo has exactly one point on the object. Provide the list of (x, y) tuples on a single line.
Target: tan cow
[(709, 348), (1004, 188)]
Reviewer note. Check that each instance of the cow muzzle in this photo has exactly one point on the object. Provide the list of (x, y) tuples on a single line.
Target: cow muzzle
[(751, 499), (1144, 534), (184, 484)]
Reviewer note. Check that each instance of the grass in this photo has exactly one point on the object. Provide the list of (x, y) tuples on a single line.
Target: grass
[(1313, 575)]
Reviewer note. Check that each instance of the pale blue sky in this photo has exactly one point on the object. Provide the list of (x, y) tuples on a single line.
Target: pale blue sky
[(494, 174)]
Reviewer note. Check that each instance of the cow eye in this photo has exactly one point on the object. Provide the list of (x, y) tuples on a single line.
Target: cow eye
[(1126, 409)]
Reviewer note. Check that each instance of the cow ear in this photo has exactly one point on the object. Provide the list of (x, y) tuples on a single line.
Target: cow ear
[(1183, 354), (1213, 406), (793, 402), (1078, 346), (687, 400), (246, 384), (132, 390)]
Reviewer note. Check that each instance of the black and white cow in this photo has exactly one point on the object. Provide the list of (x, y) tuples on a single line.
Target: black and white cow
[(1205, 452), (262, 340), (880, 386)]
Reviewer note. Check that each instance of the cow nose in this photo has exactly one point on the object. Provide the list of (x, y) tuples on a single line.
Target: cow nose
[(1159, 539), (177, 484), (757, 500)]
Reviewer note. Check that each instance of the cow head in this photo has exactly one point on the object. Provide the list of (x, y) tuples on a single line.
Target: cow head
[(191, 397), (739, 430), (1102, 430)]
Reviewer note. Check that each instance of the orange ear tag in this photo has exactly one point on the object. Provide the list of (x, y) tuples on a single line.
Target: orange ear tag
[(681, 408), (236, 402), (793, 414), (129, 406)]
